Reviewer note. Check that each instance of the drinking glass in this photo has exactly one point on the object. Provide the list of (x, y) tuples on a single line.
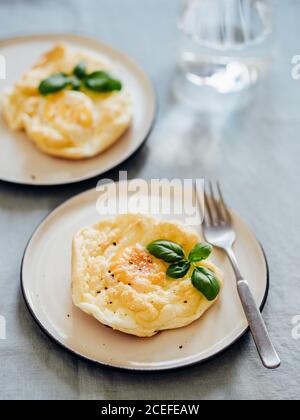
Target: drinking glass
[(226, 48)]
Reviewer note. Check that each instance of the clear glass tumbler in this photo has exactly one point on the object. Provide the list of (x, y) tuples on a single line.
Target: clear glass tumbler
[(226, 48)]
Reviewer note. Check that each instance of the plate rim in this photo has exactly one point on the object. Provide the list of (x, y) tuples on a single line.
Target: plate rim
[(83, 37), (115, 366)]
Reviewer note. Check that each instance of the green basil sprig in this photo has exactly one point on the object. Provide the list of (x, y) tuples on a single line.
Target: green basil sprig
[(206, 282), (80, 70), (54, 83), (202, 278), (200, 252), (178, 270), (98, 81), (167, 251)]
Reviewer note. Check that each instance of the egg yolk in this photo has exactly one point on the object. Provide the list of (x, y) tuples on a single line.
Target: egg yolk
[(133, 264), (69, 109)]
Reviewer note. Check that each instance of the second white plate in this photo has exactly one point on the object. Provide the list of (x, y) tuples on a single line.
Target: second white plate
[(46, 276), (21, 162)]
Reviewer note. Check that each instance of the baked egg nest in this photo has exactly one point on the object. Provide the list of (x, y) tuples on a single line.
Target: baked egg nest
[(70, 124), (117, 281)]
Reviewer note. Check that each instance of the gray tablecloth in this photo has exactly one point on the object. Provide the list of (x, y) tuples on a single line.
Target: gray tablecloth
[(256, 155)]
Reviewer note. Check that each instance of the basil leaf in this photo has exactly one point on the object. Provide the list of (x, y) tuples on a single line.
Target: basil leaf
[(97, 80), (55, 83), (100, 81), (80, 70), (200, 252), (179, 270), (75, 82), (167, 251), (113, 85), (206, 282)]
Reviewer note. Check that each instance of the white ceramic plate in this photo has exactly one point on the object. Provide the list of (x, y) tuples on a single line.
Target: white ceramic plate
[(46, 279), (21, 162)]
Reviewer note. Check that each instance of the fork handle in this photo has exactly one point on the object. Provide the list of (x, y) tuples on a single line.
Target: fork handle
[(258, 328), (257, 325)]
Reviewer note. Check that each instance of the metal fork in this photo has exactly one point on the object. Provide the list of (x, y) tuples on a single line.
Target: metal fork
[(218, 230)]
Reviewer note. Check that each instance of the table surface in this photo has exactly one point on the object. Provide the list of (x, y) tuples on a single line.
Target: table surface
[(256, 154)]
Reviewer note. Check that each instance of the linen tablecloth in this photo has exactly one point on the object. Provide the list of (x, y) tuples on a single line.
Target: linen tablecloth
[(256, 154)]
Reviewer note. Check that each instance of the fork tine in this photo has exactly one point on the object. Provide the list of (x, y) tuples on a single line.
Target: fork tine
[(218, 212), (217, 204), (225, 211), (208, 219), (200, 202)]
